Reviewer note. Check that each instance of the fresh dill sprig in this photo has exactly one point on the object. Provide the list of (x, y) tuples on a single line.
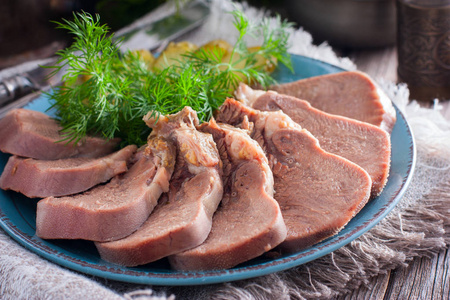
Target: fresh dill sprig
[(107, 93)]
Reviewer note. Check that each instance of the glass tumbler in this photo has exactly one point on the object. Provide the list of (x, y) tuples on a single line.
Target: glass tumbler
[(423, 43)]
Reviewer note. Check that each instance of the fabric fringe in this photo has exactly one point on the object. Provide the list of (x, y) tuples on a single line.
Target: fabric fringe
[(418, 226), (419, 230), (31, 277)]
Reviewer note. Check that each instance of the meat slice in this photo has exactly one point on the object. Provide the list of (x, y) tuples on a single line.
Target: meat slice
[(362, 143), (113, 210), (45, 178), (182, 220), (318, 192), (350, 94), (33, 134), (248, 221)]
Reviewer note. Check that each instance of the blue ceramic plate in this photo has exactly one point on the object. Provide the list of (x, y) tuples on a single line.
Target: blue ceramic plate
[(18, 214)]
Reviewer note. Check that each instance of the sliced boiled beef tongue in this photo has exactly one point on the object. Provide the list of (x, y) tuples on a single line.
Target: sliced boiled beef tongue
[(362, 143), (113, 210), (351, 94), (33, 134), (248, 221), (183, 218), (318, 192), (45, 178)]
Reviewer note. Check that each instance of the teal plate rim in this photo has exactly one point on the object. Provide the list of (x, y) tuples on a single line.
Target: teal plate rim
[(17, 215)]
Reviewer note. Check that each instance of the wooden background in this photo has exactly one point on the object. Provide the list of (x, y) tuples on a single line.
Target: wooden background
[(424, 278)]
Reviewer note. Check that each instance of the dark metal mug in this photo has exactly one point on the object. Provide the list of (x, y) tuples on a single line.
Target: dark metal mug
[(423, 40)]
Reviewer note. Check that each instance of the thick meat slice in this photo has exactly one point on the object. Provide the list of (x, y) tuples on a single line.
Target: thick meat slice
[(362, 143), (318, 192), (248, 221), (33, 134), (114, 210), (182, 220), (349, 94), (45, 178)]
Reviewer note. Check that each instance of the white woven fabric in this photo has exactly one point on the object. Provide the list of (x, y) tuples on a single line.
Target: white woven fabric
[(418, 226)]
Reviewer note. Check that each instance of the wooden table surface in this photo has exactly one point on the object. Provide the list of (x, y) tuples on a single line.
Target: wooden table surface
[(425, 277)]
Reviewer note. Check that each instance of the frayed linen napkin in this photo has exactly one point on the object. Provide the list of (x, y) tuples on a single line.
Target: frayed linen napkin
[(418, 226)]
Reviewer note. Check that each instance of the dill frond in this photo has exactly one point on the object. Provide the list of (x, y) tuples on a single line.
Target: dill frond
[(107, 93)]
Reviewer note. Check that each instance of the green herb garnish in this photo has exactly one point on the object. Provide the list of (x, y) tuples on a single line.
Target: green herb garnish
[(119, 89)]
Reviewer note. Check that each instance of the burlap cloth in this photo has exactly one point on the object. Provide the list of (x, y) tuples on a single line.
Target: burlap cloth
[(418, 226)]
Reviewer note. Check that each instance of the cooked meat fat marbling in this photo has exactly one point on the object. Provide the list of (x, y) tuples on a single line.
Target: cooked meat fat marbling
[(113, 210), (248, 221), (183, 218), (362, 143), (318, 192)]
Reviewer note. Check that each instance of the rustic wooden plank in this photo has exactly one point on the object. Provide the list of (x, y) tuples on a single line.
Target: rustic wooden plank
[(441, 284), (425, 278), (378, 63), (375, 290)]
